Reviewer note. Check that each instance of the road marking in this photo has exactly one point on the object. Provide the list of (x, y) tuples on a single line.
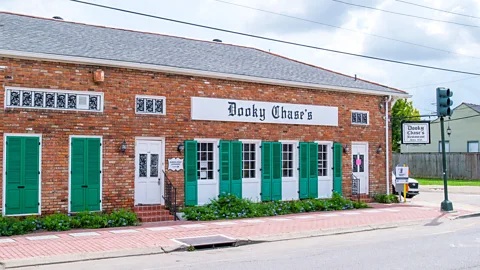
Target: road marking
[(304, 217), (350, 214), (123, 231), (42, 237), (83, 234), (280, 219), (225, 223), (160, 229), (7, 240), (189, 226), (253, 221), (329, 215), (445, 232)]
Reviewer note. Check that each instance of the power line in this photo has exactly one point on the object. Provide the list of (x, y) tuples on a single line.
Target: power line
[(461, 118), (278, 40), (403, 14), (343, 28), (464, 79), (441, 10)]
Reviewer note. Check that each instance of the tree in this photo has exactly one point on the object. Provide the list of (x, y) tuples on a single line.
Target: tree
[(401, 110)]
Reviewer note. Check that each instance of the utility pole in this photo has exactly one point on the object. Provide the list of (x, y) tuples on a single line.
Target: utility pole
[(443, 109)]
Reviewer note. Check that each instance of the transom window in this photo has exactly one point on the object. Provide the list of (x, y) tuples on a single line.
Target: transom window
[(322, 160), (360, 117), (287, 160), (53, 99), (150, 105), (249, 159), (205, 161)]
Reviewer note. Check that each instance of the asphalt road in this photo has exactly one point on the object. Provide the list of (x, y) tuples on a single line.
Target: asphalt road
[(434, 245), (461, 201)]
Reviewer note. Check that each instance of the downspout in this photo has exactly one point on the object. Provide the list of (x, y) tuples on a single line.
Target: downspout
[(387, 145)]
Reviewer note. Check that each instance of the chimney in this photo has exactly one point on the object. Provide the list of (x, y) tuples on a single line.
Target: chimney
[(58, 18), (217, 40)]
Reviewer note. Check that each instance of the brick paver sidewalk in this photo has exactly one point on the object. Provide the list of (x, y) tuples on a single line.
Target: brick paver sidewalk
[(160, 234)]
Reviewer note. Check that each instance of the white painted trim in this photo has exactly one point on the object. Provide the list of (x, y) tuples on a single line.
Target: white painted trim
[(329, 156), (191, 72), (70, 168), (216, 161), (162, 150), (358, 111), (45, 90), (154, 98), (367, 157), (4, 184), (296, 164), (258, 163)]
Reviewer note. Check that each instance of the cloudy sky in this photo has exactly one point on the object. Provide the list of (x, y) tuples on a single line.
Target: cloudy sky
[(355, 30)]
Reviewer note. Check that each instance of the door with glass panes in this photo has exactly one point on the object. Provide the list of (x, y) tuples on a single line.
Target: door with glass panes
[(325, 169), (360, 165), (148, 173)]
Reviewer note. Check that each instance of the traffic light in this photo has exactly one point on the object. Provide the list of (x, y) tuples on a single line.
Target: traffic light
[(444, 102)]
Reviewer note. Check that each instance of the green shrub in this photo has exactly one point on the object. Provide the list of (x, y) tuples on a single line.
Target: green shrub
[(122, 217), (384, 198), (57, 222), (232, 207), (360, 205)]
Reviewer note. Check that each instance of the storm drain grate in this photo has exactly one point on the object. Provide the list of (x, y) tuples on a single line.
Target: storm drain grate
[(207, 241)]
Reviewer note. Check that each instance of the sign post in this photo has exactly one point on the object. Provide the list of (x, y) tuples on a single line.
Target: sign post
[(401, 177)]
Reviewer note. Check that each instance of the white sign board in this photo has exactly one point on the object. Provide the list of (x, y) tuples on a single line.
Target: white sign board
[(401, 175), (175, 164), (218, 109), (416, 132)]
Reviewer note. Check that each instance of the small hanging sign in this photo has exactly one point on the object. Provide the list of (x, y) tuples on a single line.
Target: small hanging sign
[(175, 164)]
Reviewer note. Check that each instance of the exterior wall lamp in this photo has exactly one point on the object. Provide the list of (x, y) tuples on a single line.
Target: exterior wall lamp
[(180, 147), (449, 131), (379, 149), (123, 147), (346, 148)]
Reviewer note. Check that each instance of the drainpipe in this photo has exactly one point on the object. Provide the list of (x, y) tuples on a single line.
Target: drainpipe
[(387, 147)]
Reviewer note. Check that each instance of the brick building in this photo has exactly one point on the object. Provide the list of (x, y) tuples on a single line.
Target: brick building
[(99, 118)]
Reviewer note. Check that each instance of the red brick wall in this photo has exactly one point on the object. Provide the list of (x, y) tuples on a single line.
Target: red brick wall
[(119, 122)]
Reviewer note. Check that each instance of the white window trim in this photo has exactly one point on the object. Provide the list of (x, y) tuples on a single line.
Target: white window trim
[(472, 142), (155, 98), (4, 185), (296, 164), (44, 90), (216, 160), (258, 157), (447, 142), (329, 159), (70, 168), (358, 111)]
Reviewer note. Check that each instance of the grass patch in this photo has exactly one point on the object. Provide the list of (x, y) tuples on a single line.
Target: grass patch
[(453, 182), (232, 207)]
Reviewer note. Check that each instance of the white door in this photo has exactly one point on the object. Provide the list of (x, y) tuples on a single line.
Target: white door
[(251, 180), (290, 170), (360, 165), (325, 170), (148, 174)]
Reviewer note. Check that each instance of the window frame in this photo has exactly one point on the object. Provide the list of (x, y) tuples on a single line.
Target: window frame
[(295, 160), (440, 146), (329, 145), (258, 157), (163, 98), (468, 146), (216, 161), (359, 111), (8, 89)]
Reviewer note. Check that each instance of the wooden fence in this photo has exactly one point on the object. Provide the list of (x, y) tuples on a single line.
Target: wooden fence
[(429, 165)]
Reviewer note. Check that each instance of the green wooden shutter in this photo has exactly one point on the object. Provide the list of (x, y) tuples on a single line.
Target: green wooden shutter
[(31, 175), (304, 172), (22, 179), (78, 175), (236, 166), (191, 187), (276, 171), (337, 168), (92, 191), (266, 171), (225, 174), (313, 170)]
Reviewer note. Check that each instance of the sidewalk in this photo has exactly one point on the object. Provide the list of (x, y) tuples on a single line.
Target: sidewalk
[(158, 238)]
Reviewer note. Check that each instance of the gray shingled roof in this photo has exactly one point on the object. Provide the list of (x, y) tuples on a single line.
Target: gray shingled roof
[(37, 35), (474, 107)]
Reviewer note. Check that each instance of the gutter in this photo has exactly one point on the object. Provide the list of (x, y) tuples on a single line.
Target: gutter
[(387, 146), (187, 72)]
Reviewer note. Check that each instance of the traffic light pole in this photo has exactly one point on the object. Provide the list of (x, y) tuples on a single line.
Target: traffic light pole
[(446, 204)]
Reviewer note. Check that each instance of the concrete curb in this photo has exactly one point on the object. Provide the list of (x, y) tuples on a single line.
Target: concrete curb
[(477, 214), (37, 261)]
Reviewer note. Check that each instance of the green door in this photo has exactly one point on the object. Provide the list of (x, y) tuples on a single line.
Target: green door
[(337, 168), (22, 175), (308, 182), (271, 171), (85, 194), (191, 173), (231, 168)]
